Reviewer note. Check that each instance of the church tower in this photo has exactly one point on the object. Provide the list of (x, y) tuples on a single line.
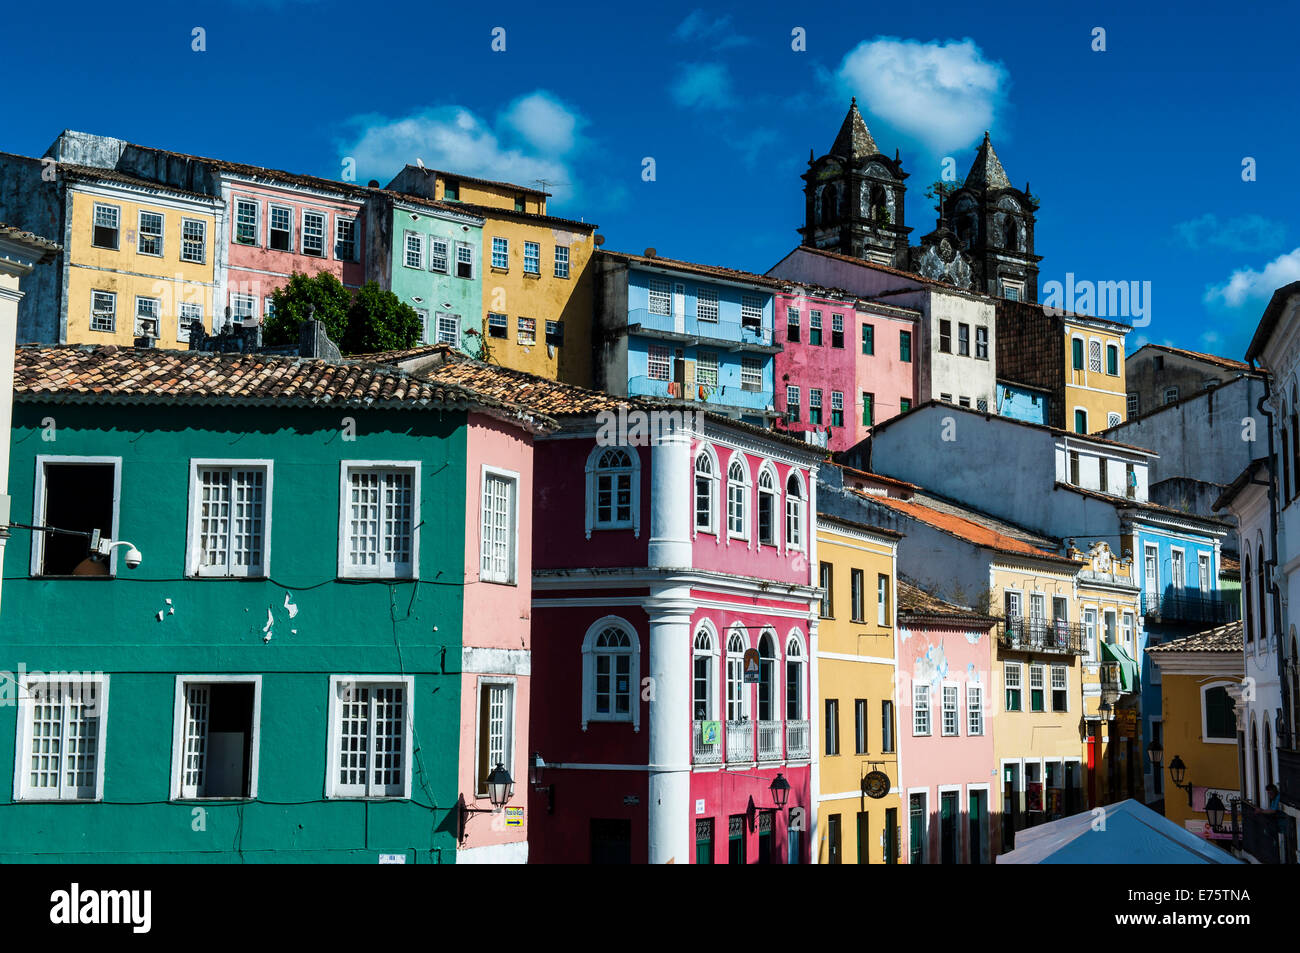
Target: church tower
[(854, 198), (993, 225)]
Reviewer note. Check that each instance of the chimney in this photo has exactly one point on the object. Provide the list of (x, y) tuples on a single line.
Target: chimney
[(314, 341)]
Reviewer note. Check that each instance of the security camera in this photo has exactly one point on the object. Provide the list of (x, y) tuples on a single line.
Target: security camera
[(133, 558)]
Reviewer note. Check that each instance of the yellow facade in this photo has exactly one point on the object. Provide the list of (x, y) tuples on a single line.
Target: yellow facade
[(113, 272), (1090, 386), (1109, 607), (1186, 679), (1037, 715), (504, 195), (855, 669)]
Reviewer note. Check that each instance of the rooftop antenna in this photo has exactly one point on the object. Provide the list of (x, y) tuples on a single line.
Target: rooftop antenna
[(547, 183)]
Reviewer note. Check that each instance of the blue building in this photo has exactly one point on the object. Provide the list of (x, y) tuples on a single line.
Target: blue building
[(683, 331), (1022, 402)]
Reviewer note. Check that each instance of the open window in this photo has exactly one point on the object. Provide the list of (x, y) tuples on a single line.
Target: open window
[(216, 746), (78, 494)]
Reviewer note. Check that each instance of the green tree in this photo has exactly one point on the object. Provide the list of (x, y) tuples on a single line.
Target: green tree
[(379, 321), (322, 292), (371, 320)]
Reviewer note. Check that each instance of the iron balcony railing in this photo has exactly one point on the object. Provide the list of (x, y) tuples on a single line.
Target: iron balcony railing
[(1288, 775), (703, 752), (1042, 635), (740, 741), (738, 335), (798, 742), (1259, 834), (770, 741), (1189, 605)]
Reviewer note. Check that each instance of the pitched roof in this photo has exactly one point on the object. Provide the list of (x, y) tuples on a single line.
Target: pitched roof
[(859, 525), (1224, 362), (892, 481), (1272, 314), (916, 603), (473, 178), (715, 271), (262, 172), (964, 528), (986, 171), (1124, 503), (85, 173), (886, 269), (491, 211), (1229, 566), (1224, 638), (854, 139), (1244, 478), (120, 375)]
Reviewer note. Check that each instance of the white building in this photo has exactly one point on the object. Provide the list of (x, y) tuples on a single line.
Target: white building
[(20, 252)]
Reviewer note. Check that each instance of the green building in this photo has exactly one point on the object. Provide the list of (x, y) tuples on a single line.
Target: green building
[(427, 253), (306, 635)]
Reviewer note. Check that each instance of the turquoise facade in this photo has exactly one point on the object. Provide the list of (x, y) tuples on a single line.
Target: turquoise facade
[(150, 624), (1022, 403), (432, 289)]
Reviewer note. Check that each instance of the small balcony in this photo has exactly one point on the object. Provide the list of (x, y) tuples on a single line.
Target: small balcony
[(798, 741), (1259, 834), (1288, 775), (1042, 635), (740, 741), (703, 752), (745, 335), (1189, 605)]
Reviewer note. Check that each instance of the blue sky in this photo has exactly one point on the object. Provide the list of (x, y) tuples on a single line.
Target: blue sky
[(1136, 152)]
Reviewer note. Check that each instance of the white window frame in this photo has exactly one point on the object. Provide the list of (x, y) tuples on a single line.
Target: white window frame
[(346, 467), (1019, 686), (714, 477), (589, 713), (526, 334), (920, 690), (1092, 632), (271, 209), (323, 234), (535, 259), (453, 326), (339, 222), (659, 293), (193, 546), (407, 249), (486, 683), (561, 261), (1127, 629), (445, 256), (1095, 365), (659, 357), (180, 726), (38, 506), (1178, 553), (882, 600), (22, 790), (974, 709), (706, 368), (1205, 723), (156, 317), (504, 252), (1036, 669), (469, 258), (335, 790), (1204, 578), (746, 491), (257, 222), (184, 320), (1151, 581), (797, 523), (634, 524), (944, 689), (511, 576), (161, 236), (94, 223), (503, 324), (112, 295), (237, 313), (1064, 672), (706, 304), (1167, 399)]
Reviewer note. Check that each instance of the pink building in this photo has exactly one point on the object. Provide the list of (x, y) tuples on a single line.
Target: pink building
[(845, 365), (945, 745), (279, 224), (657, 570)]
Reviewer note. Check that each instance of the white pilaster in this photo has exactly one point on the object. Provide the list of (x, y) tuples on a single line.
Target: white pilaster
[(670, 501), (669, 808)]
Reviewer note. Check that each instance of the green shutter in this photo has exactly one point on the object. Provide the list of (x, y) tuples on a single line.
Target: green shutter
[(868, 410), (868, 339), (905, 346), (1078, 354)]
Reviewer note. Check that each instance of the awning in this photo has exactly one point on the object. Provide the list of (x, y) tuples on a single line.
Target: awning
[(1127, 665)]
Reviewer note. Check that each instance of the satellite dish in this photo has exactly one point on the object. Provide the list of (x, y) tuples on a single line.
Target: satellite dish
[(600, 240), (650, 253)]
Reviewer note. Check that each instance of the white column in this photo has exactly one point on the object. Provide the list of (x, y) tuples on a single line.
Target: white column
[(670, 501), (669, 808)]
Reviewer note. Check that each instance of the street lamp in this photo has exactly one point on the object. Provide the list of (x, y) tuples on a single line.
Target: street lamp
[(780, 789), (500, 787), (535, 772), (1214, 811), (1156, 753), (1178, 771)]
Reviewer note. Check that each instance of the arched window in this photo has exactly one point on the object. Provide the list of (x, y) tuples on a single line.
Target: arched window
[(1247, 603), (1268, 755), (737, 499), (737, 697), (1254, 763), (1261, 574), (704, 658), (613, 490), (794, 682), (1295, 442), (1295, 691), (768, 698), (829, 210), (611, 673), (704, 478), (766, 507), (1285, 477), (794, 511)]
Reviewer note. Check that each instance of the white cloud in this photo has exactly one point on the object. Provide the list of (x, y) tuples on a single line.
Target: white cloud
[(544, 122), (1248, 287), (718, 33), (530, 141), (703, 86), (1244, 233), (943, 94)]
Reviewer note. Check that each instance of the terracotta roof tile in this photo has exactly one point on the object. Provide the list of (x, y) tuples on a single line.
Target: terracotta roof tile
[(717, 271), (110, 374), (1225, 362), (85, 173), (14, 233), (1224, 638), (964, 528), (917, 603)]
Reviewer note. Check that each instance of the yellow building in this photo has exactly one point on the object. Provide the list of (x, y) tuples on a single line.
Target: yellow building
[(854, 680), (1095, 395), (1199, 675), (1037, 661), (537, 286), (1109, 600), (140, 259)]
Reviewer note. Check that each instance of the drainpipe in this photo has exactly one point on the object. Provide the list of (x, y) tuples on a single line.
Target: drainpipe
[(1271, 562)]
